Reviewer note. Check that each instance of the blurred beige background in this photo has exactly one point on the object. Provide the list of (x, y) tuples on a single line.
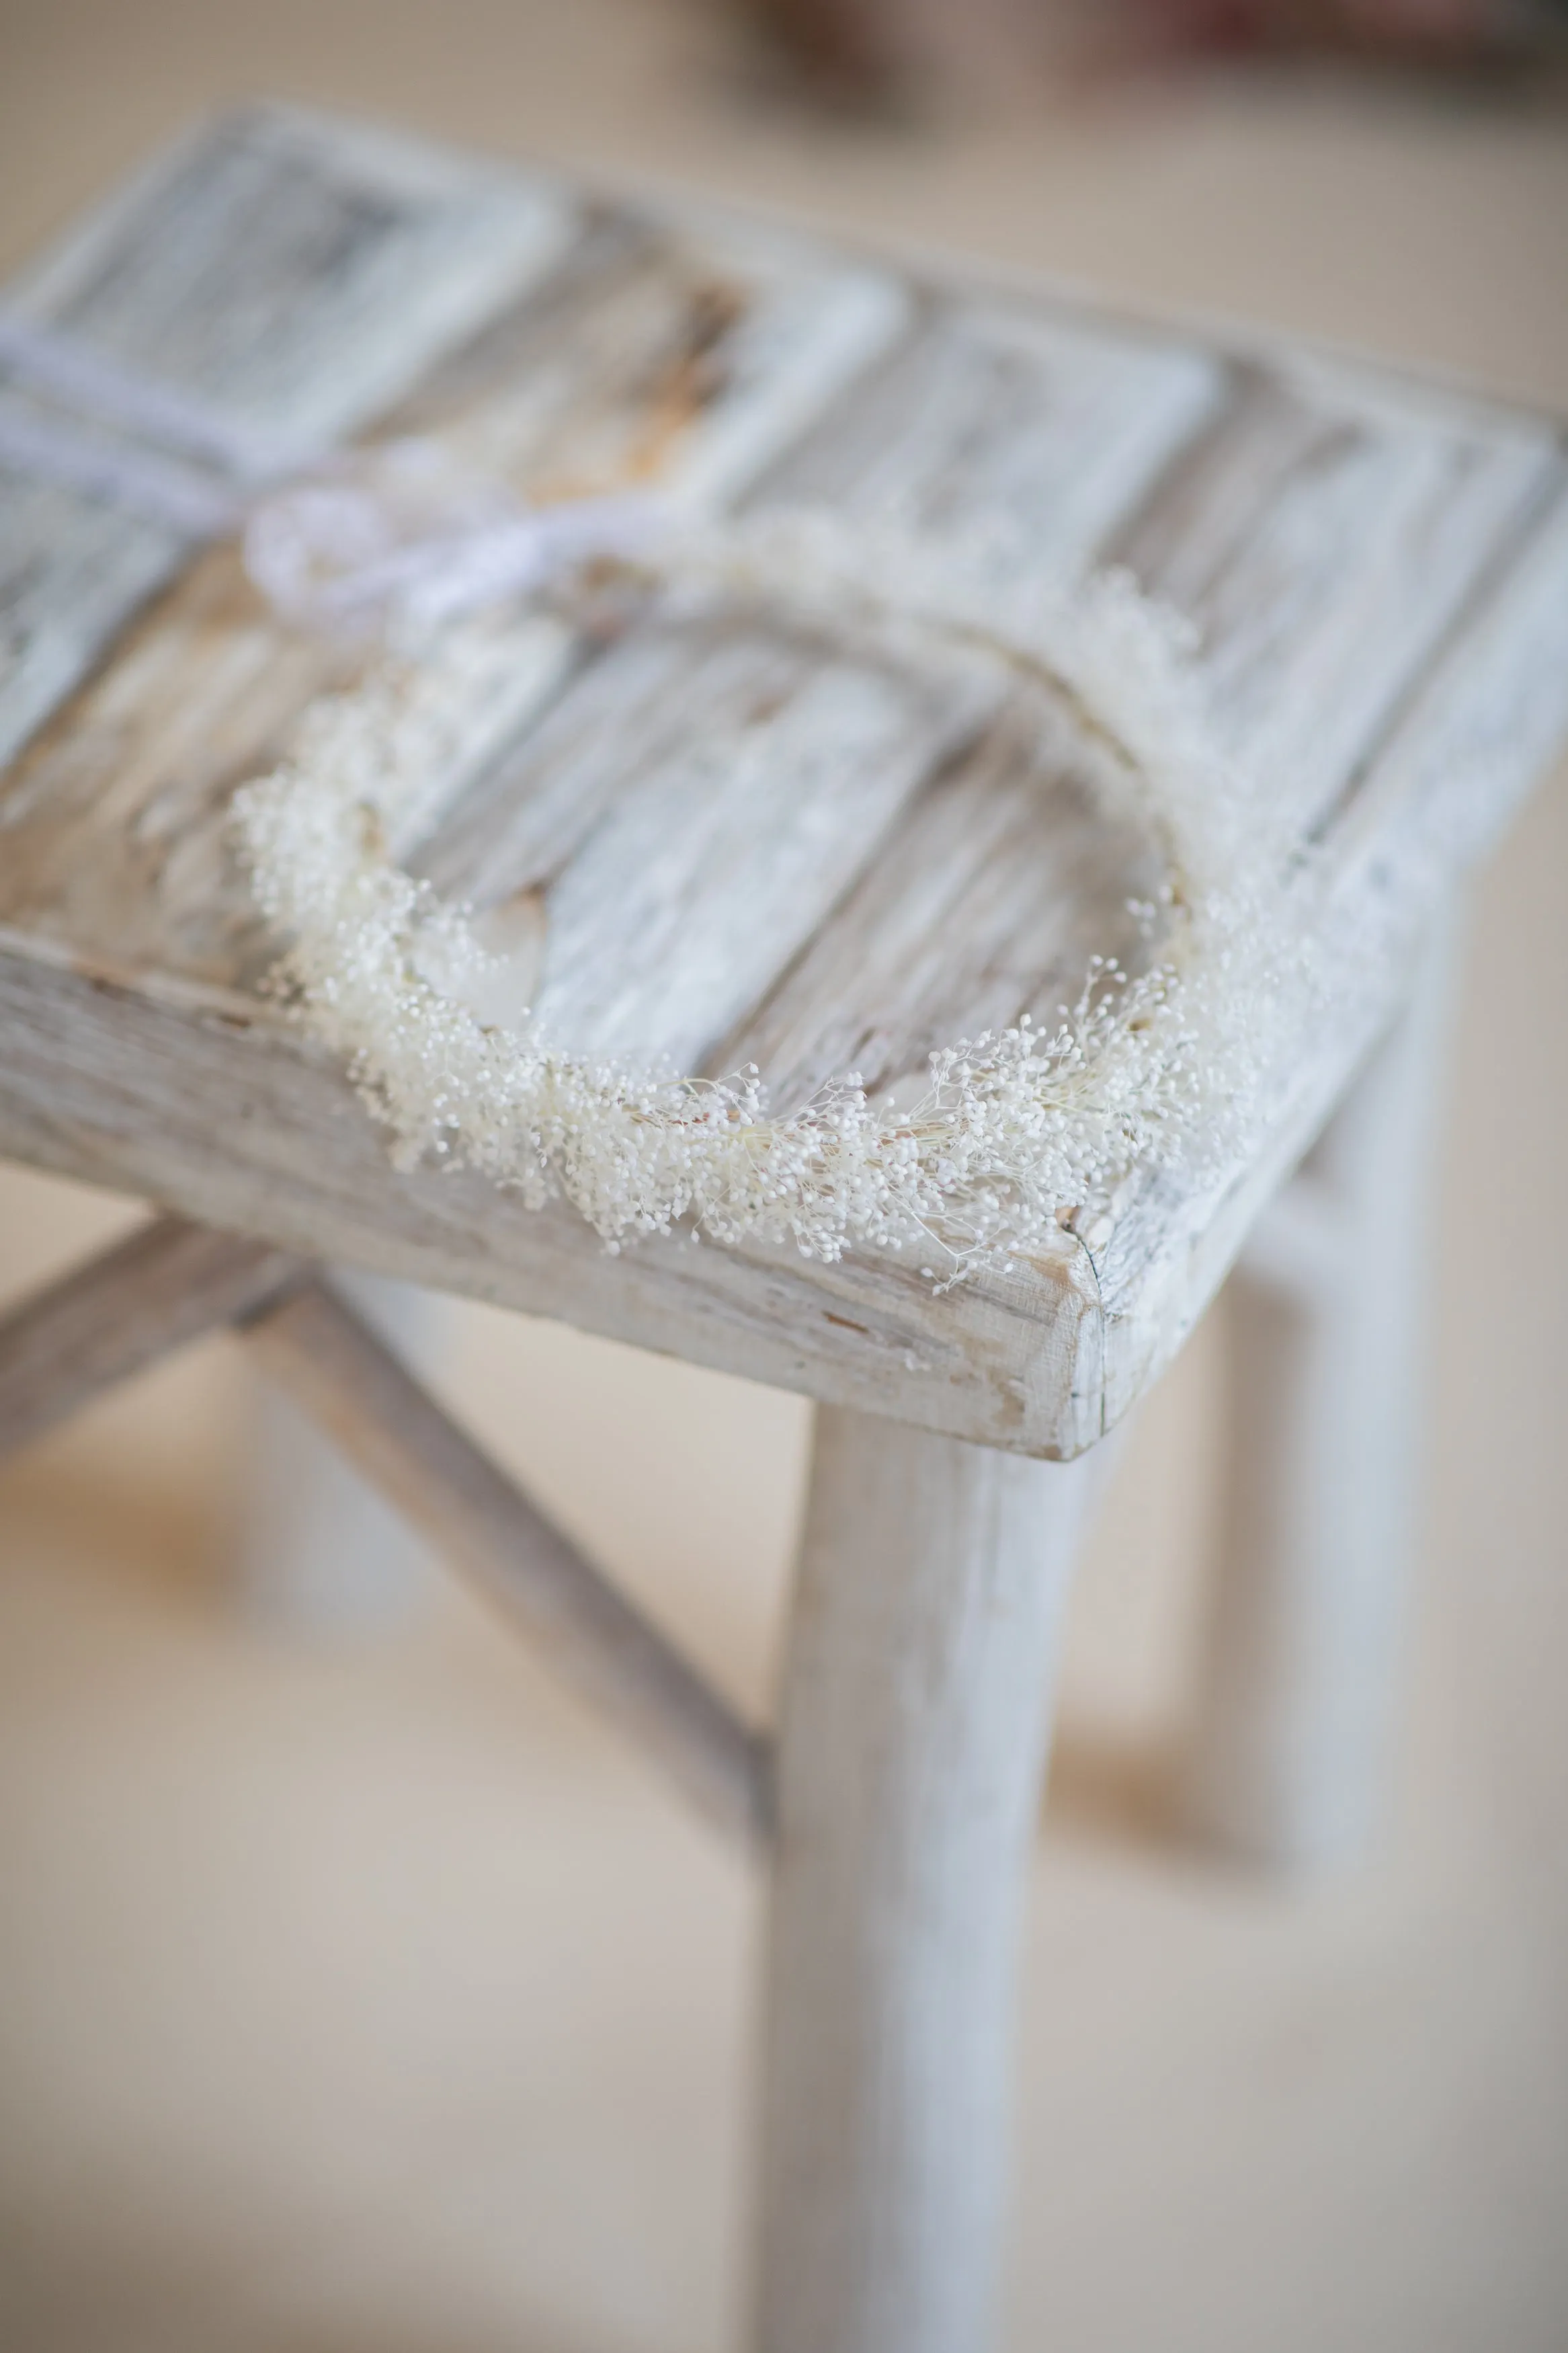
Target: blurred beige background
[(354, 1992)]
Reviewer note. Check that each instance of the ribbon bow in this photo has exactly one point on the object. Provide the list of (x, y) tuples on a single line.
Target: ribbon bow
[(395, 532)]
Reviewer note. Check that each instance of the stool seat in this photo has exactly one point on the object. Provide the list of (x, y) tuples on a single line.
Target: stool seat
[(715, 840)]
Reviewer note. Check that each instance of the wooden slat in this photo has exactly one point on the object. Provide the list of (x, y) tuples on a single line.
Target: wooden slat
[(1322, 538), (655, 353), (163, 1287), (273, 240), (211, 1106), (714, 869), (115, 823), (689, 814), (681, 831), (1322, 533), (989, 901), (1475, 735), (70, 574), (1038, 436), (672, 348), (295, 275), (1041, 434), (350, 1382)]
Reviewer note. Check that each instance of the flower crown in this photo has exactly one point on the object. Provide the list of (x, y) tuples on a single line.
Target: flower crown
[(1019, 1134)]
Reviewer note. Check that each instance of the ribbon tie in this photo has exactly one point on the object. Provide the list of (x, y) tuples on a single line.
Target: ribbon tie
[(395, 532)]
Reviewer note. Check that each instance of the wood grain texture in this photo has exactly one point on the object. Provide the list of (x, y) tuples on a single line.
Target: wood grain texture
[(686, 830), (298, 275), (1322, 536), (987, 901), (332, 1364), (672, 347), (212, 1105), (163, 1287), (716, 841), (1469, 741), (652, 354), (1476, 732), (1241, 504), (688, 815), (1039, 433)]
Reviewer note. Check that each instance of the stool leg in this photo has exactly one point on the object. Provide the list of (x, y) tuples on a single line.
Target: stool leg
[(317, 1548), (917, 1692), (1300, 1671)]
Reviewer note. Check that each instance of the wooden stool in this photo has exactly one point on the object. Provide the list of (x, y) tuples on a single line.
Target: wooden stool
[(1380, 578)]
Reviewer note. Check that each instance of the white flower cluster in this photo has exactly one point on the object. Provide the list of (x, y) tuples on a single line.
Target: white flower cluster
[(1018, 1133)]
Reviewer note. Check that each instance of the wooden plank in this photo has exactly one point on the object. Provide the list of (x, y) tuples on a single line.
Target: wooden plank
[(687, 816), (332, 1363), (668, 852), (214, 1106), (70, 574), (1322, 531), (165, 1285), (1038, 433), (295, 274), (995, 894), (115, 822), (674, 349), (987, 902), (651, 354), (1475, 735), (1323, 538)]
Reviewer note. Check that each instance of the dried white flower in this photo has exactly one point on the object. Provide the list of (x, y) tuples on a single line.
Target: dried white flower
[(1016, 1134)]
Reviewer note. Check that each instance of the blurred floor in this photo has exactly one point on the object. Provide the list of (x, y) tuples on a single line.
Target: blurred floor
[(358, 1994)]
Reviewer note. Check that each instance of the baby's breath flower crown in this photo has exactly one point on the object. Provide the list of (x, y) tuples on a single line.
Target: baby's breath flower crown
[(1018, 1135)]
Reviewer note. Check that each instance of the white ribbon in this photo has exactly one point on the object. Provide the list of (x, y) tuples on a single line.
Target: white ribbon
[(396, 532), (401, 535)]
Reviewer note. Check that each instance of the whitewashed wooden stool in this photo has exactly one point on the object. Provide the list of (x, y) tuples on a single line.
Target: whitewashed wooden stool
[(858, 871)]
